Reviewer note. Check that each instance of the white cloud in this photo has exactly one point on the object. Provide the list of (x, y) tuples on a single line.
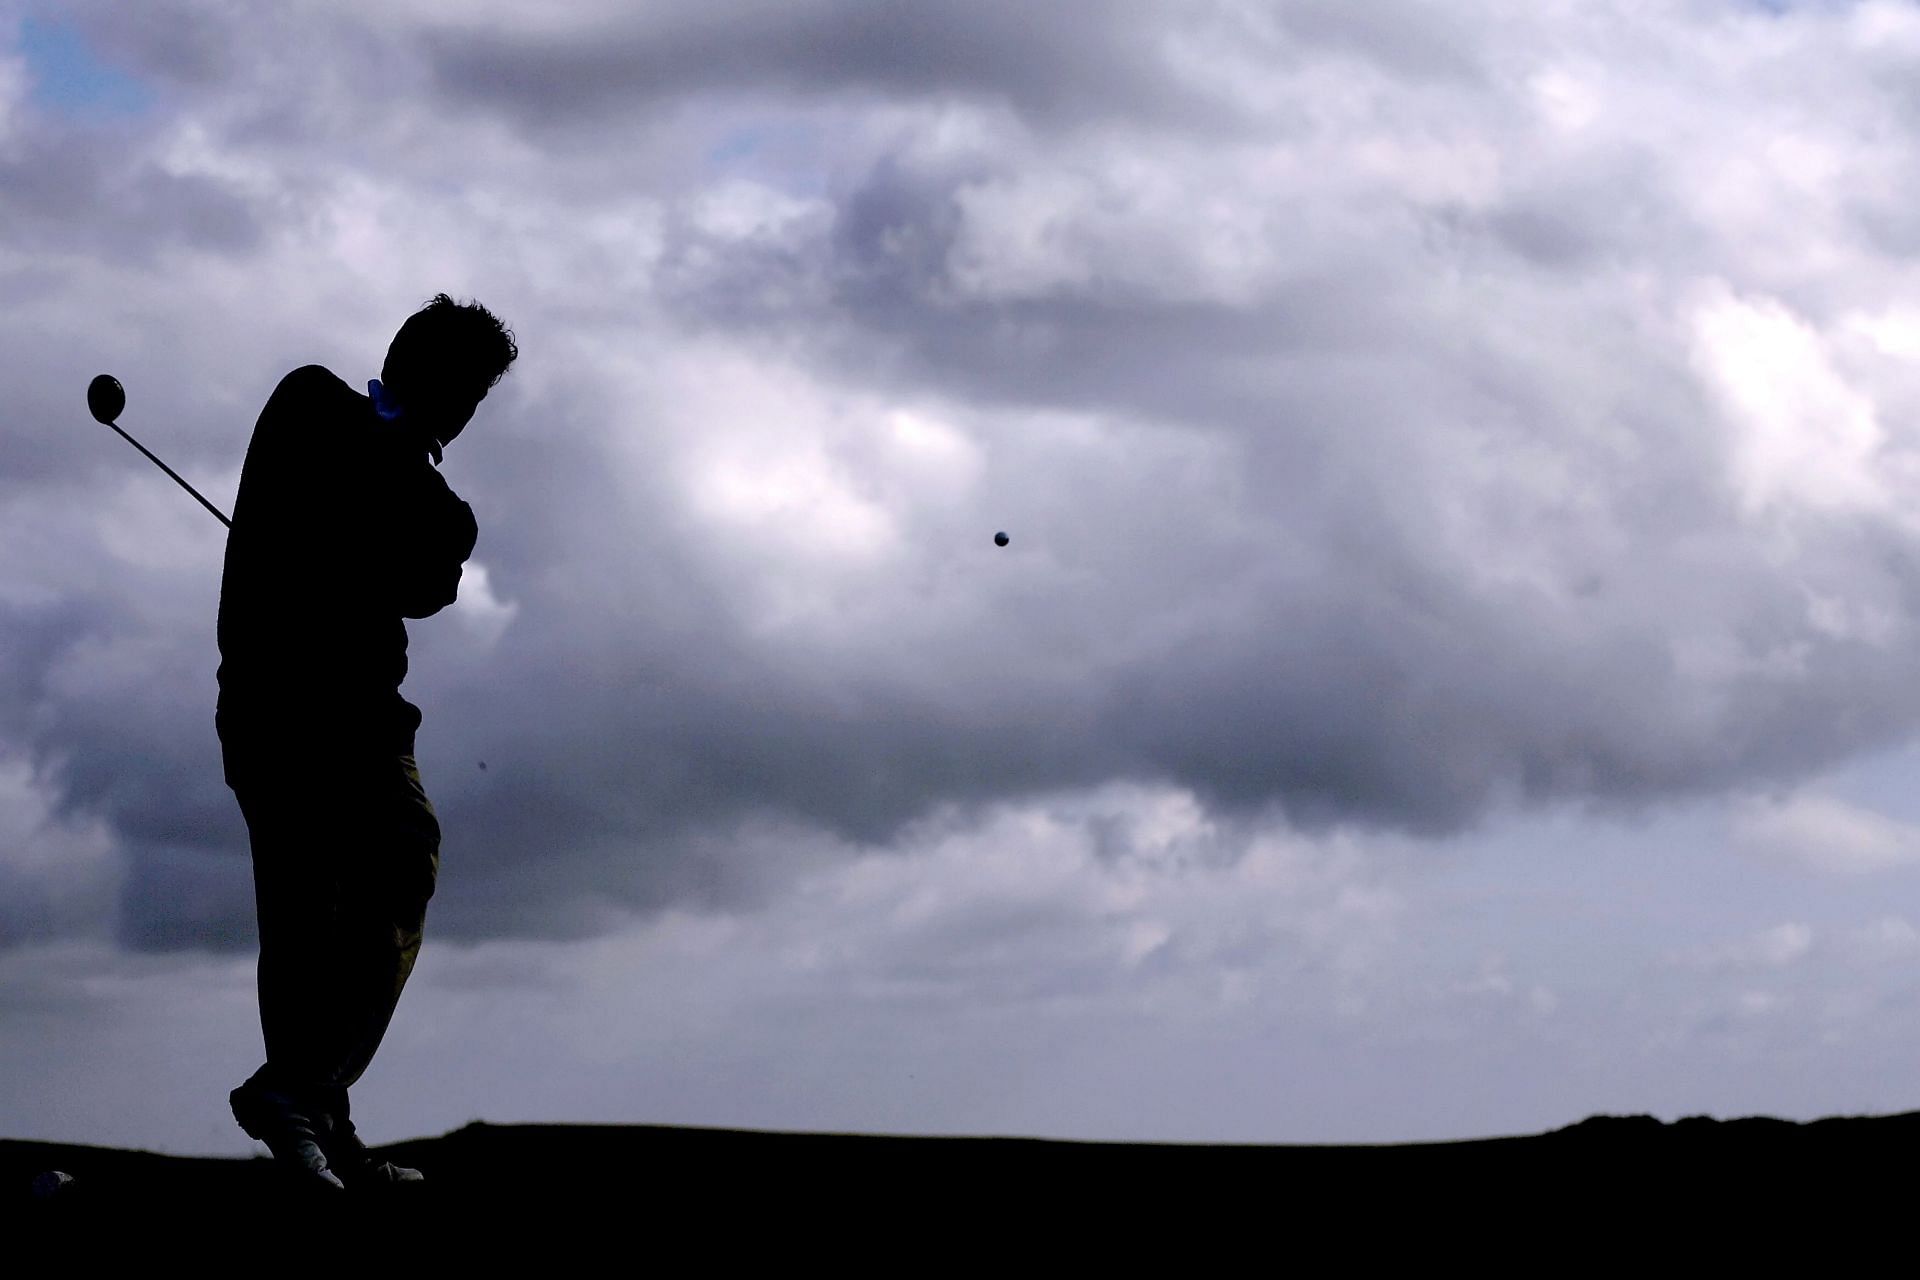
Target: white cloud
[(1888, 940), (1804, 436), (484, 615), (1883, 26), (1824, 834), (737, 210), (1894, 331), (1784, 944), (1568, 100)]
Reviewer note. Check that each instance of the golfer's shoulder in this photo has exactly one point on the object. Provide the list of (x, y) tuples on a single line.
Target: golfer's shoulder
[(311, 382), (307, 405)]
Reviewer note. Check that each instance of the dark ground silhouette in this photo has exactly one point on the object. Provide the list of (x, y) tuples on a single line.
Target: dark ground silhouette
[(1608, 1184)]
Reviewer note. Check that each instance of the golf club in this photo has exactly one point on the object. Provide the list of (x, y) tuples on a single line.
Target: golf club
[(105, 399)]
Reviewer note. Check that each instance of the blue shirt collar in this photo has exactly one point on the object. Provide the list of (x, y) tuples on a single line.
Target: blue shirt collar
[(390, 411)]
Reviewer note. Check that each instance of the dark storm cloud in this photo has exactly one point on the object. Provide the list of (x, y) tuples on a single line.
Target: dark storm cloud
[(878, 276), (1063, 62), (130, 742)]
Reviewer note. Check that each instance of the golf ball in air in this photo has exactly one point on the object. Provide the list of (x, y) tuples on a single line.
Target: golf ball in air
[(1000, 539)]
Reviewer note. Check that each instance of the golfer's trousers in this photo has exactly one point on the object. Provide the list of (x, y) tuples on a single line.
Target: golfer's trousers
[(345, 854)]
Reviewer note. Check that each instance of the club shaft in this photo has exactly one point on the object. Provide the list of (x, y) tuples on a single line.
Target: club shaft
[(176, 475)]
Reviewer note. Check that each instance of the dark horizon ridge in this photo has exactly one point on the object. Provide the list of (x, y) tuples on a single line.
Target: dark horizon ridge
[(465, 1161)]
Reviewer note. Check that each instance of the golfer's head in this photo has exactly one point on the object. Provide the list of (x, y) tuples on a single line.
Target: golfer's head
[(443, 362)]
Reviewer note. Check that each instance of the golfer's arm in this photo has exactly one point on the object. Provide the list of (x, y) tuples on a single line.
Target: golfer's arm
[(432, 537)]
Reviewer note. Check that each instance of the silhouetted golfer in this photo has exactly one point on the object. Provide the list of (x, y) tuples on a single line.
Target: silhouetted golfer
[(341, 529)]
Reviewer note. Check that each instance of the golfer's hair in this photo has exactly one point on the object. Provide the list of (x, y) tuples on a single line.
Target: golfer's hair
[(463, 342)]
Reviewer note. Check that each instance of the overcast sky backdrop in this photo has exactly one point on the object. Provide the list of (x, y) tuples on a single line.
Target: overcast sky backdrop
[(1456, 669)]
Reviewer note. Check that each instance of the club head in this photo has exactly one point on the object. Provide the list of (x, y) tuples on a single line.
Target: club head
[(106, 398)]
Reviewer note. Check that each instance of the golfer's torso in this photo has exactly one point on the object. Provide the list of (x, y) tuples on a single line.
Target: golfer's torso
[(308, 646)]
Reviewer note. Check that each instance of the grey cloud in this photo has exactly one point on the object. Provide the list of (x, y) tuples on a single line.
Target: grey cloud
[(1057, 62), (171, 41), (37, 635), (1405, 37), (183, 900), (51, 907), (78, 190)]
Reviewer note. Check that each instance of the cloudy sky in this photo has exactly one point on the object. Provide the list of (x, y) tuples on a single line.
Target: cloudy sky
[(1456, 668)]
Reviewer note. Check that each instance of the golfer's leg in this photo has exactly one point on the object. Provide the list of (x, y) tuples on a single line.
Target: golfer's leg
[(384, 908), (296, 894)]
